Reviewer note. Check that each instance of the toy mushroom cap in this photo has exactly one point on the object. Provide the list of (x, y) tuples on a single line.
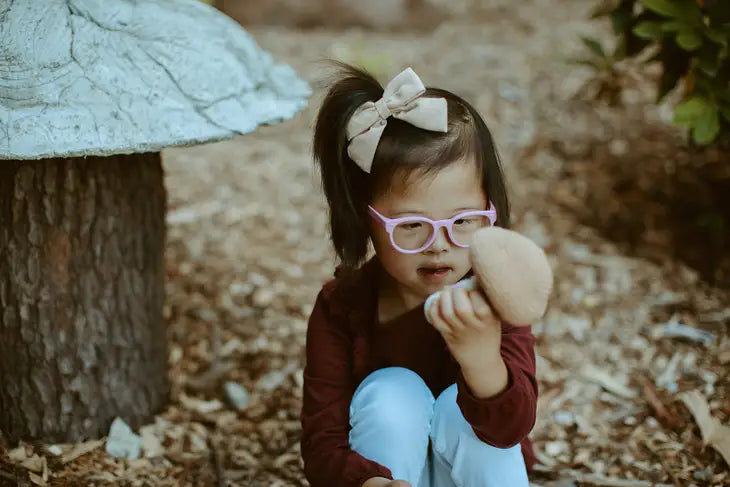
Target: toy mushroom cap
[(513, 272), (89, 77)]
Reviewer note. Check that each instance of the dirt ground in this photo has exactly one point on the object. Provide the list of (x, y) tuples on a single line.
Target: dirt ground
[(248, 250)]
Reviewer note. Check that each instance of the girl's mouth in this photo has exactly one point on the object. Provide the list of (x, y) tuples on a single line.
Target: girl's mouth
[(434, 274)]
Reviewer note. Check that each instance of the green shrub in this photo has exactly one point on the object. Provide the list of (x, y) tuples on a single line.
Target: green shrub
[(691, 40)]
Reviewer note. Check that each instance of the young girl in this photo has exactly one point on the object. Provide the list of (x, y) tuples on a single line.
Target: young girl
[(390, 399)]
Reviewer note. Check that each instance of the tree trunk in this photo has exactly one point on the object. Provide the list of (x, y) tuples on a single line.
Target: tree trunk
[(82, 336)]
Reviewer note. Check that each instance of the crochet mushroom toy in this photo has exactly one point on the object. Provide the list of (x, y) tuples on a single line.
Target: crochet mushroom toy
[(512, 271)]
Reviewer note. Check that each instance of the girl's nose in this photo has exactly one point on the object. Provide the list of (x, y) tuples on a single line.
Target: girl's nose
[(441, 242)]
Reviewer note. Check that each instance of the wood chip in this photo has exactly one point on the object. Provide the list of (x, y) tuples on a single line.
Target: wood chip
[(81, 449), (36, 479), (603, 481), (608, 382), (713, 432)]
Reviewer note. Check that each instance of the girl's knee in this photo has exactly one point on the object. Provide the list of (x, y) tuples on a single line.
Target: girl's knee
[(392, 385), (394, 397)]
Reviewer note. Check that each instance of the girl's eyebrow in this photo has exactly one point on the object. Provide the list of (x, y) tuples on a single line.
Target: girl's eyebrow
[(456, 211)]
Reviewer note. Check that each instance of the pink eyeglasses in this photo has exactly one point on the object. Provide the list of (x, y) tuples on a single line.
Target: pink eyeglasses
[(413, 234)]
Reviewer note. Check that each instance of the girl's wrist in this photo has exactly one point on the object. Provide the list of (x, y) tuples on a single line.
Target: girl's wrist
[(487, 380)]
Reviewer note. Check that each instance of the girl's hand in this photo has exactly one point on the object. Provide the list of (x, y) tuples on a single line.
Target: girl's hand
[(383, 482), (470, 328)]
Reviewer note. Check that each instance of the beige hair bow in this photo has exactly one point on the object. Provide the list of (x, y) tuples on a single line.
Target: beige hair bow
[(402, 99)]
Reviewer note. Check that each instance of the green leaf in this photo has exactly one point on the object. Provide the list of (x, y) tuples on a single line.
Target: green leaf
[(707, 126), (649, 29), (621, 17), (594, 46), (724, 52), (664, 7), (690, 110), (684, 10), (689, 40), (619, 52), (708, 62), (717, 36), (672, 25)]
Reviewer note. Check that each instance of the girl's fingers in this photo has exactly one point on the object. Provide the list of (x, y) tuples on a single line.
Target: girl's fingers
[(446, 305), (437, 320), (481, 308), (463, 307), (448, 312)]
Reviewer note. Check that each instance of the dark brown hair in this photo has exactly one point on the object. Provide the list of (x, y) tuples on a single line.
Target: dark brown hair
[(402, 147)]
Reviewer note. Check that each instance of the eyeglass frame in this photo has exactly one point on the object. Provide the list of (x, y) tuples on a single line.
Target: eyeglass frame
[(436, 225)]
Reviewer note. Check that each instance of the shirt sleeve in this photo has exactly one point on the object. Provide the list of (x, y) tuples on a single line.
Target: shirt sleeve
[(328, 390), (506, 419)]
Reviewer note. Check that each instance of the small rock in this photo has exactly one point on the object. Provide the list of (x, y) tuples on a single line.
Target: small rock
[(555, 448), (237, 395), (705, 475), (263, 297), (565, 418), (271, 381), (275, 378), (122, 441), (54, 450)]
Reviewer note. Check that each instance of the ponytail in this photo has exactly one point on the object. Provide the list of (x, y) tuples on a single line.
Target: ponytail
[(346, 186)]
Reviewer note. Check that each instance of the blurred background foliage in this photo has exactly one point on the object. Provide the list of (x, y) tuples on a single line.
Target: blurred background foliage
[(690, 39)]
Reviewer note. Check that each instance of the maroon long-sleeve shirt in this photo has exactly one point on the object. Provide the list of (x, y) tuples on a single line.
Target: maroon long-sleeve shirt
[(345, 343)]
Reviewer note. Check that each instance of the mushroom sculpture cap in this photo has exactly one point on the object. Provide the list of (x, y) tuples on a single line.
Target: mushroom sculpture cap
[(93, 77)]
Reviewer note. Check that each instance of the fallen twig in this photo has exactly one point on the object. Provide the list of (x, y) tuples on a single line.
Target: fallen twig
[(658, 408)]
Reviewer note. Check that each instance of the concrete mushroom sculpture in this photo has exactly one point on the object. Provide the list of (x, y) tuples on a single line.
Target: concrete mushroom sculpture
[(90, 92)]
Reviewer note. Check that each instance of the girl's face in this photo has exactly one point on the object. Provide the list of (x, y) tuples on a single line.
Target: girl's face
[(450, 191)]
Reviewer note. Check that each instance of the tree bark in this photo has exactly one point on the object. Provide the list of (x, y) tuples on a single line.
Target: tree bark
[(82, 336)]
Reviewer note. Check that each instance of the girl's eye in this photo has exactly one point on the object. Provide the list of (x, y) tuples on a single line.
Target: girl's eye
[(412, 225), (465, 221)]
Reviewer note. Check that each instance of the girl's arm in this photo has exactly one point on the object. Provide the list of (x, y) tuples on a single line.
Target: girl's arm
[(506, 419), (328, 390)]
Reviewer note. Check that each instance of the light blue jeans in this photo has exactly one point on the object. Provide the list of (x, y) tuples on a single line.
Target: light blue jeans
[(393, 415)]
